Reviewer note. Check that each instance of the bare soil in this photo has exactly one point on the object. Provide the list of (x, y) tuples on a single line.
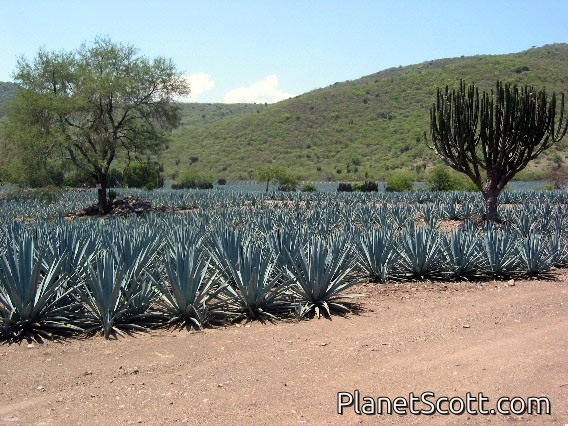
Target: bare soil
[(499, 338)]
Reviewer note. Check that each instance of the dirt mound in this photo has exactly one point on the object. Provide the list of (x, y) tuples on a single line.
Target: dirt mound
[(129, 205)]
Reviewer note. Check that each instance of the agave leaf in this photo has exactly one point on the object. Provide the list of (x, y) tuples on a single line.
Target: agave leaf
[(189, 287), (536, 258), (420, 253), (33, 292), (463, 255), (113, 297), (340, 307), (375, 251), (321, 273), (255, 286), (500, 252), (558, 249)]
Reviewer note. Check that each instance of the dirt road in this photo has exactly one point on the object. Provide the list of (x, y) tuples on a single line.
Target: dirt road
[(496, 338)]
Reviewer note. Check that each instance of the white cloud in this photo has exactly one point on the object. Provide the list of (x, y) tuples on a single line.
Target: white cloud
[(199, 83), (264, 91)]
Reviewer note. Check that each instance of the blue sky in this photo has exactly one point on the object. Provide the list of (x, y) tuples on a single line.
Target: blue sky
[(268, 50)]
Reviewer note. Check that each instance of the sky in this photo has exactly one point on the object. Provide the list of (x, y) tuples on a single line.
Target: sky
[(265, 51)]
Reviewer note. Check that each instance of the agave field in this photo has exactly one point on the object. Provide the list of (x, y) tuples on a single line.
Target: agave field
[(225, 256)]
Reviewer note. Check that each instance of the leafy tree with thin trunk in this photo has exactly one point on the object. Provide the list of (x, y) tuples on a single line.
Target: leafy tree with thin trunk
[(94, 104), (286, 180), (268, 174), (492, 136)]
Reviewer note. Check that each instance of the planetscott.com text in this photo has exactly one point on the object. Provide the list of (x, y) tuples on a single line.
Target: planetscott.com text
[(427, 403)]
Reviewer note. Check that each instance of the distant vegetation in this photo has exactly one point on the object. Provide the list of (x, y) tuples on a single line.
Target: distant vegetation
[(355, 130), (7, 90)]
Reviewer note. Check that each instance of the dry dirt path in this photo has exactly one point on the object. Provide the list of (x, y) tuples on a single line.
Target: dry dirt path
[(450, 339)]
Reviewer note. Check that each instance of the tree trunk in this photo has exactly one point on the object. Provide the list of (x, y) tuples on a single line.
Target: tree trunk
[(103, 204), (490, 195)]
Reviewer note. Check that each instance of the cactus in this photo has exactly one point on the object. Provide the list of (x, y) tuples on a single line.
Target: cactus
[(493, 136)]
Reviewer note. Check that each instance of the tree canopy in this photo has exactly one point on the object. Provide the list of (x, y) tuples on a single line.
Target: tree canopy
[(93, 104)]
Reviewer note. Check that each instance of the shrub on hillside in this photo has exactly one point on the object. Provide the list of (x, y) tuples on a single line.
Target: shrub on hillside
[(399, 182), (192, 180), (80, 179), (441, 179), (369, 186), (287, 182), (309, 187), (365, 187), (143, 175)]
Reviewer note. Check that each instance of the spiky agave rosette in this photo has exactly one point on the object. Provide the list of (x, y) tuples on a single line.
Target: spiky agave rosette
[(321, 273)]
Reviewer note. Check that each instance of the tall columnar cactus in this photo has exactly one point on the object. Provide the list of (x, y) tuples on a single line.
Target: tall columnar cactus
[(490, 137)]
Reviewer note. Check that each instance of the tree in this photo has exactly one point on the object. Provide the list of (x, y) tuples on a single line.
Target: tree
[(399, 182), (440, 179), (286, 180), (492, 136), (557, 175), (147, 175), (94, 104), (268, 174)]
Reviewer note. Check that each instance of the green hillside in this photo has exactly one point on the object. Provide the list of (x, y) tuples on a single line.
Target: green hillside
[(197, 114), (345, 131), (349, 130)]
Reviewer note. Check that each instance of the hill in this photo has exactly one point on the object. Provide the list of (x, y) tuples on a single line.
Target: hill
[(351, 130), (348, 130), (199, 114)]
